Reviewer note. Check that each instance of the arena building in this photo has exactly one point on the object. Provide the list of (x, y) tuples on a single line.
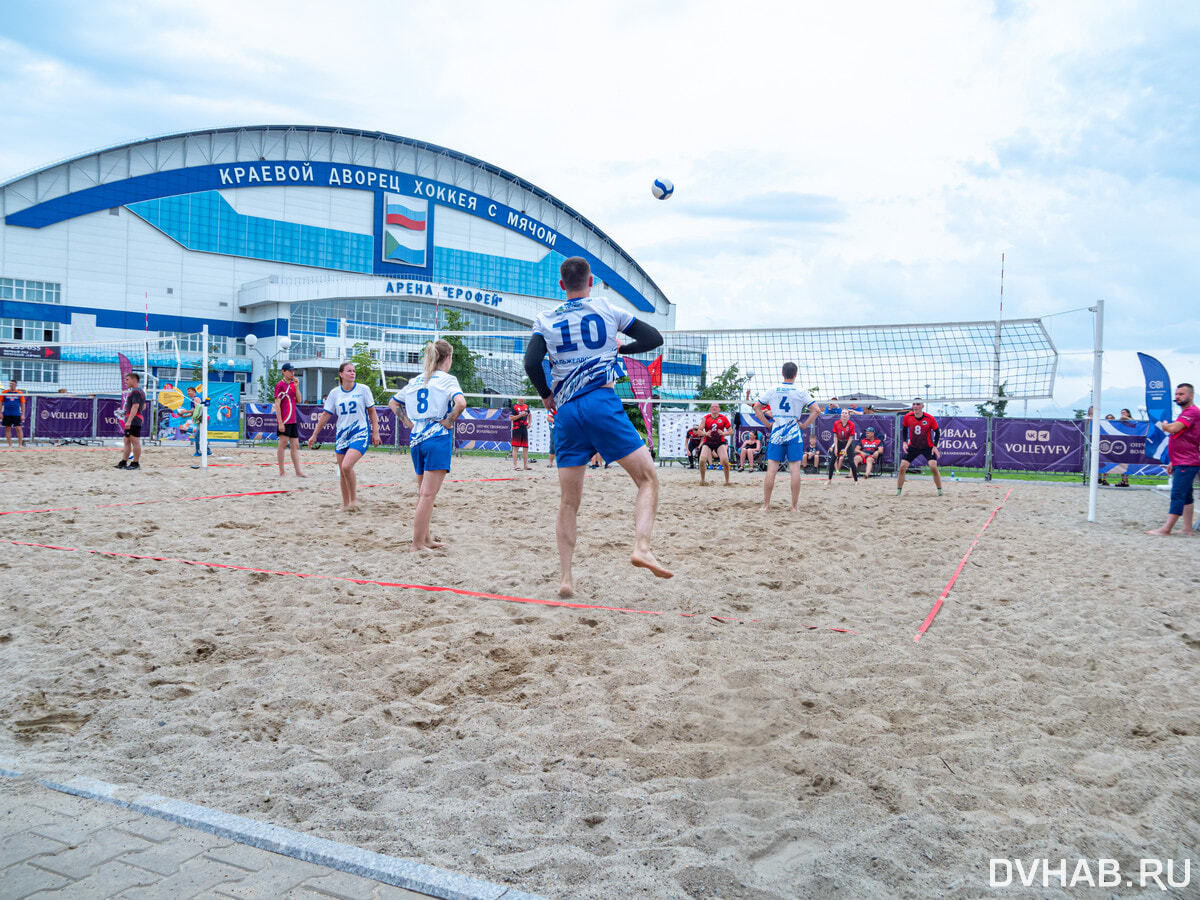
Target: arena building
[(324, 235)]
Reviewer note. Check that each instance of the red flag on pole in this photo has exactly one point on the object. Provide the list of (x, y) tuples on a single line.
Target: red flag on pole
[(656, 371)]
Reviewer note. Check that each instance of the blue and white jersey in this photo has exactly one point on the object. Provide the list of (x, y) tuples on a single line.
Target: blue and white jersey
[(789, 405), (350, 407), (581, 337), (427, 403)]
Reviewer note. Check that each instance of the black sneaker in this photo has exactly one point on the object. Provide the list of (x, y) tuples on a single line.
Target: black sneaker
[(132, 466), (121, 465)]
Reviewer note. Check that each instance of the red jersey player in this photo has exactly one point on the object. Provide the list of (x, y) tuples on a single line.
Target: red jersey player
[(520, 433), (716, 430), (919, 436), (844, 434)]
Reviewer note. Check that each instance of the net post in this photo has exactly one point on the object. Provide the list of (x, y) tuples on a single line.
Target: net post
[(204, 399), (988, 439), (1097, 373)]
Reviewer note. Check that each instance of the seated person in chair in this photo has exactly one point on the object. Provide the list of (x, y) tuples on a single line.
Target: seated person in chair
[(869, 452), (751, 448), (695, 437)]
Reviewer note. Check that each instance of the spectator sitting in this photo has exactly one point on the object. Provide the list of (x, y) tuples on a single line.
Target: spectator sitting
[(751, 447), (695, 437), (832, 408), (869, 452), (1123, 469)]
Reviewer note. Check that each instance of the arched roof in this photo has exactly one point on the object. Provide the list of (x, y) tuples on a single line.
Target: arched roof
[(71, 187)]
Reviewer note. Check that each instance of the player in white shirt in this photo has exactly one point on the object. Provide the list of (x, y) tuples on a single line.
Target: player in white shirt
[(354, 406), (788, 403), (431, 403), (580, 337)]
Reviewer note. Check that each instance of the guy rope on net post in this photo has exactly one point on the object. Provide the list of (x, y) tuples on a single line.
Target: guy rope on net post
[(1097, 371)]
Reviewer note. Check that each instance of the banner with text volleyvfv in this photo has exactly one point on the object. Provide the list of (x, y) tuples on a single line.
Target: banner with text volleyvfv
[(1158, 405)]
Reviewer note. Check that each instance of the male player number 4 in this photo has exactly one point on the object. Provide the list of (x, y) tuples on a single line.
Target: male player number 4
[(783, 407), (580, 338)]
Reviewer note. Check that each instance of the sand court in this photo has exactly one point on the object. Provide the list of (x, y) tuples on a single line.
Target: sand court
[(762, 726)]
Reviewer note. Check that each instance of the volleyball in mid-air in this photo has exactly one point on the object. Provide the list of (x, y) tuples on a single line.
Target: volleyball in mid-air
[(662, 188)]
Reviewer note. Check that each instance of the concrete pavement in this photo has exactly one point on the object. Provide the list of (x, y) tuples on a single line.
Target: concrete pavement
[(87, 839)]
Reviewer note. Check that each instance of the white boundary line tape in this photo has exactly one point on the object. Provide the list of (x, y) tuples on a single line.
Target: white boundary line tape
[(402, 873)]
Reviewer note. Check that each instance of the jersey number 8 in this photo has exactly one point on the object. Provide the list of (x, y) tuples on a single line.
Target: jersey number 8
[(423, 400)]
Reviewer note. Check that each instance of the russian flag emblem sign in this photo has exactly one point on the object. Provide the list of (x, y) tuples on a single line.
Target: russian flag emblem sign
[(405, 224)]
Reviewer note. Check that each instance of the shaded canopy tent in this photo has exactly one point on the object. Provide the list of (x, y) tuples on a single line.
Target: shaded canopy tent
[(875, 402)]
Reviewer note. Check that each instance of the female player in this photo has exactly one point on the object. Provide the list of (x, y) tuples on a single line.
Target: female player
[(432, 401), (843, 446), (352, 403)]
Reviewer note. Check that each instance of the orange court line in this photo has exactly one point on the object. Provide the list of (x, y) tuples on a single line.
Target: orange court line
[(397, 584), (953, 578)]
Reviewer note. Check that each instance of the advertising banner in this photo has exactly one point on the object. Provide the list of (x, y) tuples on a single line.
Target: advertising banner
[(885, 428), (1159, 399), (483, 429), (1037, 445), (110, 423), (260, 421), (306, 418), (390, 428), (963, 441), (67, 418), (539, 430), (673, 425), (1123, 448), (640, 383)]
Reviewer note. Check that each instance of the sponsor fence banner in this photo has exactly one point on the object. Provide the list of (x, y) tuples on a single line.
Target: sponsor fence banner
[(306, 419), (885, 428), (1037, 445), (110, 423), (963, 441), (539, 430), (260, 422), (1123, 448), (483, 429), (68, 418), (673, 425), (391, 432)]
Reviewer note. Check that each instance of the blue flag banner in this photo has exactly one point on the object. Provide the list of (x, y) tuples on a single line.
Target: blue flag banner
[(1158, 405)]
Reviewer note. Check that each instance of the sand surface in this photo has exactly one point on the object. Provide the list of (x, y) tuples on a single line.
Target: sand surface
[(1052, 710)]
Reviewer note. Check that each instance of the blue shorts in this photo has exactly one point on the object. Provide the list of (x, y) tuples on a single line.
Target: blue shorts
[(792, 450), (360, 445), (594, 423), (433, 454), (1182, 478)]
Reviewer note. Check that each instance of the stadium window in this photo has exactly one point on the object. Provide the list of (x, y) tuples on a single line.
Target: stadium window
[(30, 291)]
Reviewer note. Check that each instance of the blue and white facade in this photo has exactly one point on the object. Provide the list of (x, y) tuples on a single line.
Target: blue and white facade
[(327, 236)]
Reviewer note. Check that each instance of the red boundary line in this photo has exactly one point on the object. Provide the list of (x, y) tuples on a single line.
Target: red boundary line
[(395, 584), (953, 578), (16, 512)]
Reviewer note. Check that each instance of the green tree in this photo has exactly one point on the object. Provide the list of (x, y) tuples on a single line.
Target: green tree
[(725, 388), (529, 390), (994, 408), (368, 371), (1080, 413), (463, 366), (267, 382)]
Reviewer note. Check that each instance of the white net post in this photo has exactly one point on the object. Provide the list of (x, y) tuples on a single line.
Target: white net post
[(204, 398), (1097, 374)]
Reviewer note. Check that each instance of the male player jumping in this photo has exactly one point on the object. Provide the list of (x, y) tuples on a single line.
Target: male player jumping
[(581, 339), (919, 433), (782, 407)]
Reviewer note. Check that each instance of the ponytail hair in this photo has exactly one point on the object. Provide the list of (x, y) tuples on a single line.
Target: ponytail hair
[(436, 352)]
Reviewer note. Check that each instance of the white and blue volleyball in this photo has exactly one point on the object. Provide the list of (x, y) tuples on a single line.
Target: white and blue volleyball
[(662, 188)]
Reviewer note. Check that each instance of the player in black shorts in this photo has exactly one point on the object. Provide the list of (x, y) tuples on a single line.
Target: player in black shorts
[(919, 433), (135, 405)]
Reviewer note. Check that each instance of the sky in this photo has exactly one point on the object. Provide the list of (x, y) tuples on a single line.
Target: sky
[(834, 164)]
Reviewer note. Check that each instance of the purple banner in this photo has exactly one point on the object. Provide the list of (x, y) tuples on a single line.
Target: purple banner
[(885, 428), (306, 417), (110, 421), (1037, 445), (64, 417), (963, 441), (483, 429), (260, 422)]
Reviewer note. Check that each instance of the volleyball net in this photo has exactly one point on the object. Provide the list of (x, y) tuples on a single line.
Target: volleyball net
[(942, 362)]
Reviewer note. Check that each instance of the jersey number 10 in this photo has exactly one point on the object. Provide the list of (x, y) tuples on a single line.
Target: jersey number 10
[(591, 331)]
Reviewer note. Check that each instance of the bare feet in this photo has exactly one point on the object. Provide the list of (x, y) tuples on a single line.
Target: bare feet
[(1160, 531), (647, 561), (301, 475), (763, 508), (566, 589), (529, 468)]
